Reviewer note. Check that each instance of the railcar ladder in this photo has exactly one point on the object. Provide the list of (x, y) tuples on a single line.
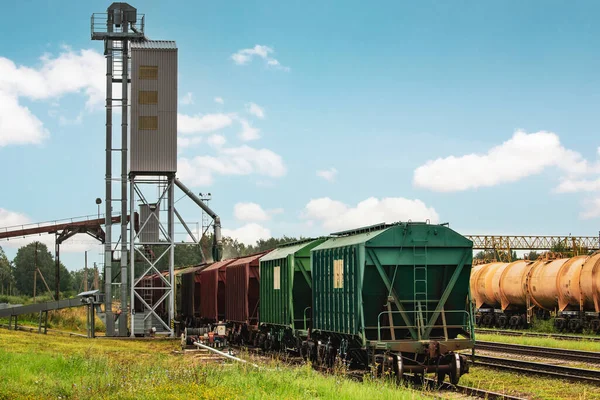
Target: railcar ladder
[(420, 287)]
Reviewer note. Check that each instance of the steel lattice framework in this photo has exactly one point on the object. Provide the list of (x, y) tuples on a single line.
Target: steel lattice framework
[(489, 242)]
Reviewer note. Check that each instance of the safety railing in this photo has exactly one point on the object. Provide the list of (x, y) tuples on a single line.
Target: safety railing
[(98, 25), (443, 316), (51, 223), (305, 324)]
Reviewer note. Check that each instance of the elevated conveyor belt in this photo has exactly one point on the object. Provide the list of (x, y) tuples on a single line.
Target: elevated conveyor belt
[(83, 299)]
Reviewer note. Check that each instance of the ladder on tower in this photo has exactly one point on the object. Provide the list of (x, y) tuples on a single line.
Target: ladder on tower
[(420, 287), (147, 293), (117, 59)]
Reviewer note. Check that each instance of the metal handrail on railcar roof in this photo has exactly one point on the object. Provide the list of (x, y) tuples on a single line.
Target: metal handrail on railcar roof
[(466, 326)]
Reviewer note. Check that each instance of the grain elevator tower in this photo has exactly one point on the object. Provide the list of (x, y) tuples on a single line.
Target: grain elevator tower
[(148, 162)]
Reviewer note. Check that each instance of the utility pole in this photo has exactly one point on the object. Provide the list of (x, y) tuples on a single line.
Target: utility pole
[(85, 275), (34, 282), (35, 270), (95, 285)]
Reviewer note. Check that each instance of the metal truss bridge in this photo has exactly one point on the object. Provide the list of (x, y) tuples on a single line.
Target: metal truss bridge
[(490, 242)]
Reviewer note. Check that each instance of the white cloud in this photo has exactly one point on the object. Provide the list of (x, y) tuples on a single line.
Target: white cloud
[(328, 174), (185, 142), (335, 215), (18, 126), (244, 56), (202, 123), (578, 185), (11, 218), (64, 121), (219, 100), (250, 212), (216, 140), (248, 132), (591, 210), (249, 233), (255, 110), (244, 160), (69, 72), (187, 99), (521, 156), (14, 220)]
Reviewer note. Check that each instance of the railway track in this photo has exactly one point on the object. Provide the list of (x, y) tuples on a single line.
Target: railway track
[(530, 367), (543, 352), (538, 335), (484, 394), (359, 375)]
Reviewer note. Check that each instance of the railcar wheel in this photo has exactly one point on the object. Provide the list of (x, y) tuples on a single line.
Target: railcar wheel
[(560, 324), (488, 320), (440, 374), (575, 325), (304, 351), (399, 368), (502, 321), (454, 369)]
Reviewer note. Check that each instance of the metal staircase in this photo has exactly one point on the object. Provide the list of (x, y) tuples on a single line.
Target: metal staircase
[(420, 287)]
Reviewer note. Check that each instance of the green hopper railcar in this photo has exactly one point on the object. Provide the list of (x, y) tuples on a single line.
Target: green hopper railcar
[(393, 296), (286, 294)]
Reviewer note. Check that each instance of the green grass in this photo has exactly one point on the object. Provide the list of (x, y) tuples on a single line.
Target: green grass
[(38, 366), (528, 386), (584, 345), (4, 298), (69, 319)]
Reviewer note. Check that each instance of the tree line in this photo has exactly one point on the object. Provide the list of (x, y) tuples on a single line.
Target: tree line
[(503, 255), (17, 276)]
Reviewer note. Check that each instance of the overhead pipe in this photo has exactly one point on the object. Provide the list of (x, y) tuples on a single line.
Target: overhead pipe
[(217, 249)]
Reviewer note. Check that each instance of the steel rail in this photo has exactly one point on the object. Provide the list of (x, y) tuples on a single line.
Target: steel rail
[(530, 367), (484, 394), (538, 351), (538, 334), (358, 375)]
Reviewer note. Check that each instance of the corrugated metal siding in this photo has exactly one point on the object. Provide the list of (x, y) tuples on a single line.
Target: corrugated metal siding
[(212, 282), (149, 231), (286, 305), (154, 151), (243, 289), (336, 309), (187, 294), (189, 290), (155, 44), (276, 297), (209, 281)]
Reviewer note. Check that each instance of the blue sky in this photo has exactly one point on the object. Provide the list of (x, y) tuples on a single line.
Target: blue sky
[(369, 93)]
